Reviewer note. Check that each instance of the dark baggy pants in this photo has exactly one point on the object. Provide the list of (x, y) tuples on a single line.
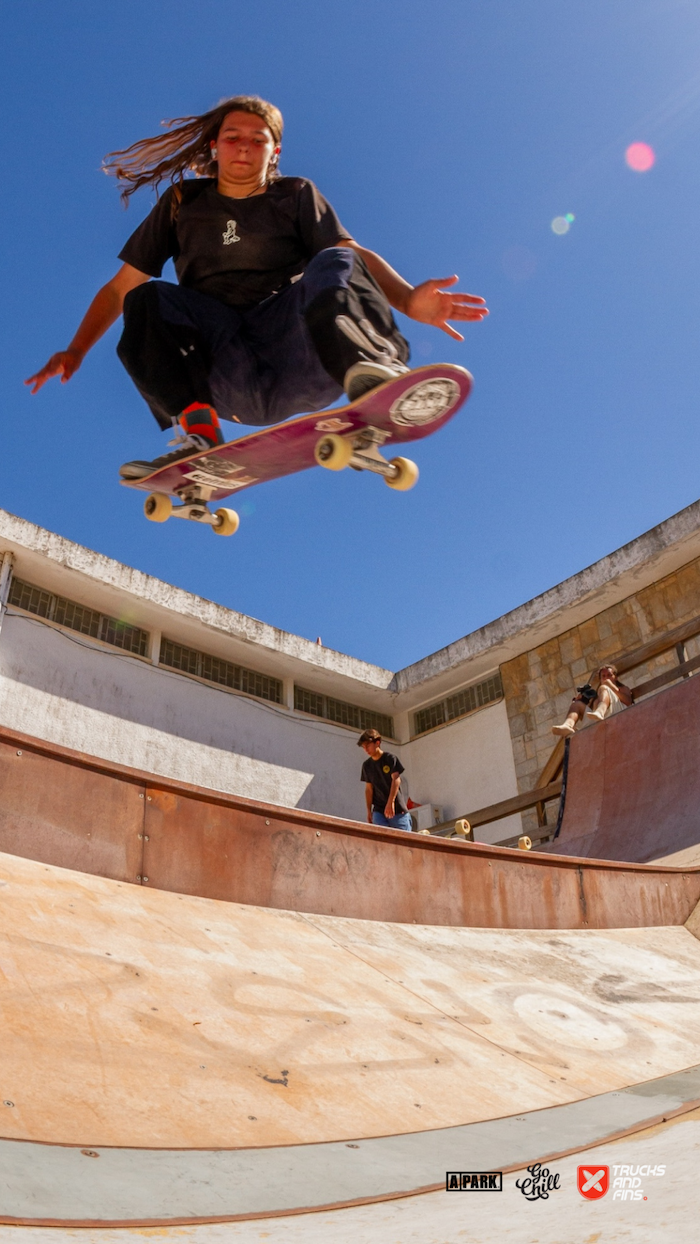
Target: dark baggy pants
[(259, 365)]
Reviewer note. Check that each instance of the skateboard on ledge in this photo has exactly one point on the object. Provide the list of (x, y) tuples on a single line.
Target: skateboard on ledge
[(402, 410)]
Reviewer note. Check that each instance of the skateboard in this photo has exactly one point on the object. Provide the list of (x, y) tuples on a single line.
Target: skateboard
[(405, 409)]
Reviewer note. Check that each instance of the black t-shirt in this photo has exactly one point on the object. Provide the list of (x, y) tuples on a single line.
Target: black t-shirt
[(236, 250), (379, 772)]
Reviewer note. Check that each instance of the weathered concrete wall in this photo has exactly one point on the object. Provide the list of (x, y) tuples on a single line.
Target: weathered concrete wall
[(62, 688), (539, 684), (466, 765)]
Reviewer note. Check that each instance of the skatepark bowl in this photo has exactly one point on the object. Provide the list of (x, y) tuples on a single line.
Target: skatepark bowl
[(228, 1021)]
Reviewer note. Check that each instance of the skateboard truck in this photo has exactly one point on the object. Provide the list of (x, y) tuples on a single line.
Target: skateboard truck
[(409, 407), (361, 452), (158, 507)]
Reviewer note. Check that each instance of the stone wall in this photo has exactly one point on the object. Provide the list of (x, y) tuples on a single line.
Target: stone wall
[(539, 684)]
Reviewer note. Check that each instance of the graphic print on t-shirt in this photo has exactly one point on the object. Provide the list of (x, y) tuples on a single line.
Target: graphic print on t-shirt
[(379, 773), (238, 260), (230, 234)]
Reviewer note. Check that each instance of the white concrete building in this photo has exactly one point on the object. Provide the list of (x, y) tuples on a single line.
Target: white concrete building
[(102, 658)]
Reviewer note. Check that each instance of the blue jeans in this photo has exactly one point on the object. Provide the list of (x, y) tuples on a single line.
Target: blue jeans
[(403, 821)]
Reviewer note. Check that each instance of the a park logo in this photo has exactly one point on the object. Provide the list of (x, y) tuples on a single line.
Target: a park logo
[(474, 1181), (593, 1181)]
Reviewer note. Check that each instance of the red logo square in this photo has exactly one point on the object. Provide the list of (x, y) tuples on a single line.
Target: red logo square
[(593, 1181)]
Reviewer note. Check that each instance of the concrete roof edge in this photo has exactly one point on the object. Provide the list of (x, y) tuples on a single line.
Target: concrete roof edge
[(107, 571), (514, 632), (549, 606)]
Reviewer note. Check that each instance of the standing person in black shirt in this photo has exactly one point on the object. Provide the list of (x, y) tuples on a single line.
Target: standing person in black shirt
[(277, 310), (381, 774)]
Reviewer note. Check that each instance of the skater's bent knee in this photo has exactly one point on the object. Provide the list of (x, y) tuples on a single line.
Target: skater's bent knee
[(142, 296), (331, 258)]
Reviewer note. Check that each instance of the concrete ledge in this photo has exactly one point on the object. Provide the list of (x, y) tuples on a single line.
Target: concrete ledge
[(651, 556)]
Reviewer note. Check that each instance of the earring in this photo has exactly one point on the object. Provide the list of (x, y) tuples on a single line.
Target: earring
[(214, 153)]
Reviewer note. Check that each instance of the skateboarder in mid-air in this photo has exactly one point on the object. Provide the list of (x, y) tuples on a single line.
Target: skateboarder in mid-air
[(277, 310)]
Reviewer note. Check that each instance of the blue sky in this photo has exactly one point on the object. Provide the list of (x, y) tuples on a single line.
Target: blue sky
[(447, 135)]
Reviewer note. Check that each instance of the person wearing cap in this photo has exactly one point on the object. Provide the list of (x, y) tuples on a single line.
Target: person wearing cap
[(381, 774)]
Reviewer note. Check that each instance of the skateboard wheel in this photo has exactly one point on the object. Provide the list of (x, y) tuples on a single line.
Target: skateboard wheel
[(158, 507), (406, 474), (333, 452), (228, 522), (525, 843), (463, 829)]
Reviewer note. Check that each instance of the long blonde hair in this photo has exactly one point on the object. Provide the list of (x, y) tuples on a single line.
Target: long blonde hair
[(186, 146)]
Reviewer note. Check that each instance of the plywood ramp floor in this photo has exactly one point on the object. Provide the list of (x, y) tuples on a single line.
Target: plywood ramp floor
[(135, 1017), (667, 1213)]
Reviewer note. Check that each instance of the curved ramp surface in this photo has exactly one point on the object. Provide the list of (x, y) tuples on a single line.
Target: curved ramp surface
[(144, 1020), (166, 1186), (61, 807), (633, 781), (667, 1211)]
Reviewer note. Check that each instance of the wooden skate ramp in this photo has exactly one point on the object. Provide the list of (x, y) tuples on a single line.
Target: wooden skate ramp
[(75, 811), (170, 1058), (633, 782)]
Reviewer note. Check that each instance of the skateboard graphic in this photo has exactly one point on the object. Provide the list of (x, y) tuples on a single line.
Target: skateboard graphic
[(406, 409)]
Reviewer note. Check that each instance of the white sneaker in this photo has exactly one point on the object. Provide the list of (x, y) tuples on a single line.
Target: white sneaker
[(187, 447), (362, 377)]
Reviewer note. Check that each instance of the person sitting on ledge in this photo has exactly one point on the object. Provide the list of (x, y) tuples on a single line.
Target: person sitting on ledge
[(611, 696)]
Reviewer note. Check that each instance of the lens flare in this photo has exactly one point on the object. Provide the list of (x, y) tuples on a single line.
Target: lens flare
[(640, 157), (561, 225)]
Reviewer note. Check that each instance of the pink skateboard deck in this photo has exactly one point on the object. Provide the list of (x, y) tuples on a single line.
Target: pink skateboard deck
[(406, 409)]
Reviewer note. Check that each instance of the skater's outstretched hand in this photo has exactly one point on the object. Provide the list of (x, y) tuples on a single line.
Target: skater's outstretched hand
[(64, 364), (431, 303), (105, 308)]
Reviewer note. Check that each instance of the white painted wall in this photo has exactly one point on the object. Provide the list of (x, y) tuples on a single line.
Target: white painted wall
[(466, 765), (65, 689)]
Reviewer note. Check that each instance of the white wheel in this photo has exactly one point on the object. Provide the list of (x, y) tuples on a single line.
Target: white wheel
[(228, 522), (406, 476), (333, 452), (158, 507)]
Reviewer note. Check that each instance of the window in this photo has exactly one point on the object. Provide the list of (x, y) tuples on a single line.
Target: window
[(79, 618), (458, 705), (342, 713), (223, 673)]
